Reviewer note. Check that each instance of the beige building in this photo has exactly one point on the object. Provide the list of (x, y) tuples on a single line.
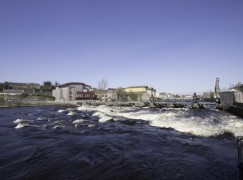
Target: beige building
[(136, 89), (140, 93)]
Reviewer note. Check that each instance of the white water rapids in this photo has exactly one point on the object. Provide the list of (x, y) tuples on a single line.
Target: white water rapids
[(212, 124)]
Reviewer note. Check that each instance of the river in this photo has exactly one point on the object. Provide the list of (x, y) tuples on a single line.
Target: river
[(55, 142)]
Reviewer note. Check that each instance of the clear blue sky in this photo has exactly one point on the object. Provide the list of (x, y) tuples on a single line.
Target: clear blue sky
[(177, 46)]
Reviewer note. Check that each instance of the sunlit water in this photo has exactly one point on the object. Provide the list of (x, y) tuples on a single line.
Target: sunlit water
[(52, 142)]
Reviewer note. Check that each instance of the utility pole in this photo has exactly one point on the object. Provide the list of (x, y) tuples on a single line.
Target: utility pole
[(217, 89)]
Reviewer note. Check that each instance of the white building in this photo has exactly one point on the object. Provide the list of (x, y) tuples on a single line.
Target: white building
[(151, 91), (165, 95), (71, 91), (111, 94)]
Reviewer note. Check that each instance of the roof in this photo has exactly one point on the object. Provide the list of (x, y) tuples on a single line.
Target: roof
[(73, 83), (233, 90), (22, 84), (237, 88), (150, 88), (138, 87), (82, 92), (111, 89), (14, 83)]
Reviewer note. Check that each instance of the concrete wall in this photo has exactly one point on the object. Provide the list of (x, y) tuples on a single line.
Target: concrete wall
[(54, 93), (65, 94), (227, 98), (230, 97), (57, 93), (236, 110)]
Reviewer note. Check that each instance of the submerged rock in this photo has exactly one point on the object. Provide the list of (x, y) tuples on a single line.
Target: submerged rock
[(197, 106)]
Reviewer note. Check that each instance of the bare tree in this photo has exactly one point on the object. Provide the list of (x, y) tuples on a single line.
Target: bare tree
[(102, 85), (57, 83), (47, 83)]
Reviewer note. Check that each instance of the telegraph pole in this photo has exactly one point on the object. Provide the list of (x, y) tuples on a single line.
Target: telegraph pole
[(217, 90)]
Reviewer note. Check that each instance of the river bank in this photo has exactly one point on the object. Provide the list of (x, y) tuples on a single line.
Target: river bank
[(26, 102), (18, 102)]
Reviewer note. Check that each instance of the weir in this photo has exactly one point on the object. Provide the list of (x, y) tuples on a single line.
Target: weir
[(167, 104)]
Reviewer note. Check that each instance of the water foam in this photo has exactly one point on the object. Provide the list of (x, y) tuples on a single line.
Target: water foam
[(71, 113), (78, 121), (81, 122), (61, 110), (211, 125), (103, 117), (18, 121), (58, 127), (194, 126), (21, 125), (41, 119)]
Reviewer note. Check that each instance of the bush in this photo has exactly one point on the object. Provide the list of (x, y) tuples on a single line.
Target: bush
[(23, 95), (133, 97), (45, 96)]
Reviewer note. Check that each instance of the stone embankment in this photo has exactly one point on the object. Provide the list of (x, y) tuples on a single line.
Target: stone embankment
[(235, 108), (144, 104), (33, 103), (17, 102)]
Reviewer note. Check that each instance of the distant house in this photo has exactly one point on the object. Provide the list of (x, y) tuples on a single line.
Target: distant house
[(151, 91), (209, 95), (73, 91), (186, 97), (18, 88), (34, 86), (23, 86), (111, 94), (165, 95), (140, 93)]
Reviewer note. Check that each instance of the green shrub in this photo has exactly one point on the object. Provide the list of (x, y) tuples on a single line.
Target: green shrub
[(133, 97), (23, 95), (45, 96)]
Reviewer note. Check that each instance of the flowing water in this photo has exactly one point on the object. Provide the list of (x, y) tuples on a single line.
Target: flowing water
[(54, 142)]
